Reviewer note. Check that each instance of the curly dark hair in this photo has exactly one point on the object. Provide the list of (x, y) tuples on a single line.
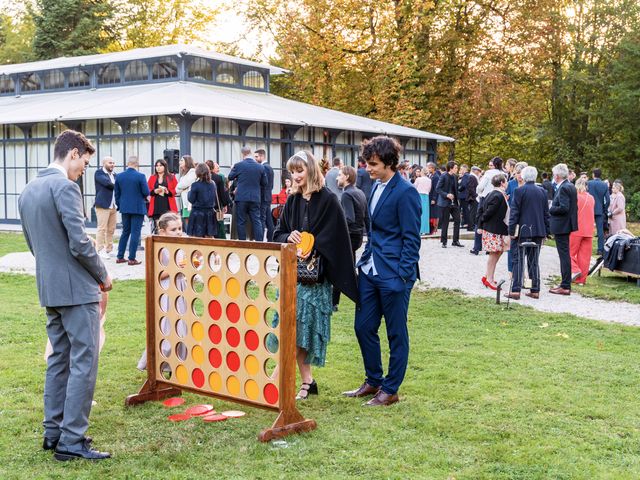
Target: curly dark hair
[(387, 149)]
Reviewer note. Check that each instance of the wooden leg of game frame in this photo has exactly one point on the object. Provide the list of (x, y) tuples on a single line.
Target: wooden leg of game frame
[(147, 393), (287, 423)]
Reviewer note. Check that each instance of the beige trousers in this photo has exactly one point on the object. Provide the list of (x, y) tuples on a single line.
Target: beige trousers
[(106, 226)]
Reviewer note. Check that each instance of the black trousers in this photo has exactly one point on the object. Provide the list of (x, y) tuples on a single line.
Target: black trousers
[(473, 211), (356, 242), (562, 245), (446, 212), (464, 211), (533, 264)]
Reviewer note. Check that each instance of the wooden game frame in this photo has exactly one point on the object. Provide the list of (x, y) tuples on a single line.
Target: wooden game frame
[(156, 387)]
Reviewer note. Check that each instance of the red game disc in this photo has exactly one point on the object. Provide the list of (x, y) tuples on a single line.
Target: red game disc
[(216, 417), (233, 413), (173, 402), (179, 417), (198, 410)]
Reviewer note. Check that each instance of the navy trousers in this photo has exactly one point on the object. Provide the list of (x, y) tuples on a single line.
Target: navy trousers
[(267, 220), (131, 227), (388, 297), (250, 210), (600, 230)]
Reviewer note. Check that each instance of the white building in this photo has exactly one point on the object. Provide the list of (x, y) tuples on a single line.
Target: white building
[(141, 102)]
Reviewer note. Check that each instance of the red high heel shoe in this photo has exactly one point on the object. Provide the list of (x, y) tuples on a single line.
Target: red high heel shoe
[(488, 284)]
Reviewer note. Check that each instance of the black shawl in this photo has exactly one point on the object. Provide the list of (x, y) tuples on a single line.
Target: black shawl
[(329, 227)]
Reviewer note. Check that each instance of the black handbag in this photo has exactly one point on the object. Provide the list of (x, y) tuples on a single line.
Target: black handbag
[(310, 270)]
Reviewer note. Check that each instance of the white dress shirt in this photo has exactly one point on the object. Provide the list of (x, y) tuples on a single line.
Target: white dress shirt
[(370, 266)]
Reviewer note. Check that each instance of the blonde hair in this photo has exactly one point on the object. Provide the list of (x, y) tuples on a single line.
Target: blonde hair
[(166, 218), (619, 185), (305, 160), (581, 185)]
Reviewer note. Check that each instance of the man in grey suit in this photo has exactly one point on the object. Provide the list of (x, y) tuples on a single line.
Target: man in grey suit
[(69, 275)]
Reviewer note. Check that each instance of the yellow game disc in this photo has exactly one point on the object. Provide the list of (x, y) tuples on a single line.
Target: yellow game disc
[(233, 288), (197, 330), (233, 385), (215, 286), (197, 354), (251, 389), (181, 374), (215, 381), (251, 365), (252, 315)]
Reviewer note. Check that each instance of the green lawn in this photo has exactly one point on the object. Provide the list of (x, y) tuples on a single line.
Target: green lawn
[(12, 242), (489, 394)]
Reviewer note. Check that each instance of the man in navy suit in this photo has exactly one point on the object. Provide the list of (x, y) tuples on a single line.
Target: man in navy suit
[(600, 193), (363, 180), (530, 216), (463, 194), (251, 179), (265, 207), (447, 190), (105, 205), (388, 269), (132, 193), (563, 221)]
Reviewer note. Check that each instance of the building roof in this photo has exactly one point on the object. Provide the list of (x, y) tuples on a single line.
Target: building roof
[(126, 56), (189, 98)]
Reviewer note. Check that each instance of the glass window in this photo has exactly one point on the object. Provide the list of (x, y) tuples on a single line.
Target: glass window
[(200, 69), (7, 85), (256, 130), (275, 130), (228, 127), (135, 71), (109, 127), (30, 82), (141, 148), (40, 130), (108, 74), (164, 68), (253, 79), (227, 73), (53, 80), (80, 78), (166, 124), (91, 128), (204, 148), (112, 148), (140, 125), (13, 132), (229, 152), (203, 125), (303, 133), (38, 154)]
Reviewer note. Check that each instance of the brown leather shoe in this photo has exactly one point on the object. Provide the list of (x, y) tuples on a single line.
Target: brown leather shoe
[(535, 295), (382, 399), (120, 260), (134, 262), (364, 390), (560, 291), (513, 295)]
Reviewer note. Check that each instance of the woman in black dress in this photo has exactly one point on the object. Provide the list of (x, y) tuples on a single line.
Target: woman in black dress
[(162, 186), (202, 197)]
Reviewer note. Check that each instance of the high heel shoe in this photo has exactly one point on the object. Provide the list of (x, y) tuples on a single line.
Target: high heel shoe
[(307, 389), (484, 282), (491, 285)]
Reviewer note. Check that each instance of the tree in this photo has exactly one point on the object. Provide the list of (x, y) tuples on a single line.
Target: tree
[(16, 39)]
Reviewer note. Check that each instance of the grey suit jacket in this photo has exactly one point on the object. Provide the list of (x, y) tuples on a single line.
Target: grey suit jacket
[(68, 269)]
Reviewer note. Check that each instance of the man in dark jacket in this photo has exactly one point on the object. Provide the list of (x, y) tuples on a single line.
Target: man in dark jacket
[(472, 196), (265, 206), (564, 220), (363, 180), (528, 222), (463, 194), (600, 193), (105, 205), (132, 193), (447, 191), (434, 212), (251, 180), (548, 186)]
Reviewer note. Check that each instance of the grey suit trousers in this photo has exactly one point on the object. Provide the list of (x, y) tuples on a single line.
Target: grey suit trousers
[(72, 368)]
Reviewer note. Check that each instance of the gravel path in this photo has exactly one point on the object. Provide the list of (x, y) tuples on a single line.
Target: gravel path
[(453, 268)]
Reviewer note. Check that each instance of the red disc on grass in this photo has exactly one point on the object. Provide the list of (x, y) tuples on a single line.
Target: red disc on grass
[(251, 340), (215, 309), (271, 393), (233, 312), (215, 358), (233, 361), (233, 337), (173, 402), (216, 417), (215, 334), (197, 377), (233, 413), (198, 410), (179, 417)]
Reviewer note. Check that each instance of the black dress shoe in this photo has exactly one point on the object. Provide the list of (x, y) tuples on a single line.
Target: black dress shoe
[(82, 450), (362, 391), (49, 444), (457, 244), (473, 252), (444, 245)]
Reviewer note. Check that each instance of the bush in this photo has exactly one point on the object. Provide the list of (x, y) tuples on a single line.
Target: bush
[(633, 207)]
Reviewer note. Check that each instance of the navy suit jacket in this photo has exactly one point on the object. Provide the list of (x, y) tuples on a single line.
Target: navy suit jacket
[(267, 190), (600, 193), (530, 210), (104, 189), (132, 192), (394, 232), (447, 184), (564, 209), (364, 182), (462, 187), (251, 179)]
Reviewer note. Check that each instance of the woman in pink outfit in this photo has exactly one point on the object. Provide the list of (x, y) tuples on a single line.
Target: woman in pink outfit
[(617, 213), (581, 241)]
